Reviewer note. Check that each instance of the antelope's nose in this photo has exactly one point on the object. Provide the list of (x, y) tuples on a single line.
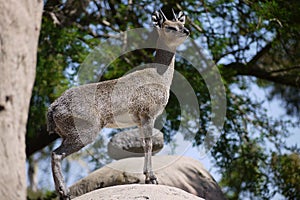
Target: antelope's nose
[(186, 31)]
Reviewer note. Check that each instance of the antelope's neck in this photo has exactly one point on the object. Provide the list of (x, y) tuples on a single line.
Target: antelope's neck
[(164, 61)]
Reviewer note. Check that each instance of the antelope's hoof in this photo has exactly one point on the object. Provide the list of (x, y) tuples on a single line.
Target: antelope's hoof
[(151, 180), (63, 195)]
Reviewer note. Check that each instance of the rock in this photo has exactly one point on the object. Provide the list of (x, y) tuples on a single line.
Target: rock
[(139, 192), (128, 144), (176, 171)]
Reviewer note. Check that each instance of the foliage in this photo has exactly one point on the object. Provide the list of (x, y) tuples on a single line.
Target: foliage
[(246, 145), (37, 195), (244, 38), (286, 168)]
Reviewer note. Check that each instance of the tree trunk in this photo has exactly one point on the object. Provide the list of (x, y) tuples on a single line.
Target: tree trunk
[(19, 31)]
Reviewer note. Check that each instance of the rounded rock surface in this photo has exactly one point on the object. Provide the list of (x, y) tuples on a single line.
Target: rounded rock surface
[(138, 192), (176, 171), (128, 144)]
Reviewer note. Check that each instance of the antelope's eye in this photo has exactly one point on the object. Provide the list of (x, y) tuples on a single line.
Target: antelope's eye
[(170, 28)]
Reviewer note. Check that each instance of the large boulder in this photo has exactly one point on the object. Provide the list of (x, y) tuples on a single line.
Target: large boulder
[(176, 171), (139, 192), (128, 144)]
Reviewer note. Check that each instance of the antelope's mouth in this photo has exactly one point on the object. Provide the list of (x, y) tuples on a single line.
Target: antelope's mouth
[(186, 31)]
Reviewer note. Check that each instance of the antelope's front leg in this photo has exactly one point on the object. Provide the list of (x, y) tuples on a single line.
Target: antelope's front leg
[(146, 133), (150, 177)]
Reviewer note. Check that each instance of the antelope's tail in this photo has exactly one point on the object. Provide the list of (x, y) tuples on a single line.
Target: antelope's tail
[(50, 120)]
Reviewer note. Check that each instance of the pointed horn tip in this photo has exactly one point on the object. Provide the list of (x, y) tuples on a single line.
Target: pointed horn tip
[(163, 14), (175, 17)]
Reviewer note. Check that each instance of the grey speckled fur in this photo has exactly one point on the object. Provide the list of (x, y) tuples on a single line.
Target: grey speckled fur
[(135, 99)]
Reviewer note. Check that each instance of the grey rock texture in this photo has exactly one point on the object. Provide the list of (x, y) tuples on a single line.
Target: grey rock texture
[(139, 192), (129, 144), (176, 171)]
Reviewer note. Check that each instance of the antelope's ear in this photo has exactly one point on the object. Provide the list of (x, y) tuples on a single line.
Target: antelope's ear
[(157, 19), (181, 17)]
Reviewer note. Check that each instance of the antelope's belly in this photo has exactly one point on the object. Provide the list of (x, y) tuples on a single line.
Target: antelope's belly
[(123, 120)]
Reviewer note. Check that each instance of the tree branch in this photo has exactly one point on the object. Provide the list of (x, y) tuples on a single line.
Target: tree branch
[(260, 54), (276, 76), (284, 70)]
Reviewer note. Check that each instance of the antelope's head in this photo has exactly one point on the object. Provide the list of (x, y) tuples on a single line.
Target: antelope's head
[(171, 32)]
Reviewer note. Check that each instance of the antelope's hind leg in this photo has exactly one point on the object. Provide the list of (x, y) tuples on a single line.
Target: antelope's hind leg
[(66, 148), (79, 135), (146, 131)]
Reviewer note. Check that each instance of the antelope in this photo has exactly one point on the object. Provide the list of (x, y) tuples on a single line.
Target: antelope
[(135, 99)]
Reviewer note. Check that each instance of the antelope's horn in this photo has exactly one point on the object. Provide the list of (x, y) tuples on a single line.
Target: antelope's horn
[(163, 14), (175, 17)]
